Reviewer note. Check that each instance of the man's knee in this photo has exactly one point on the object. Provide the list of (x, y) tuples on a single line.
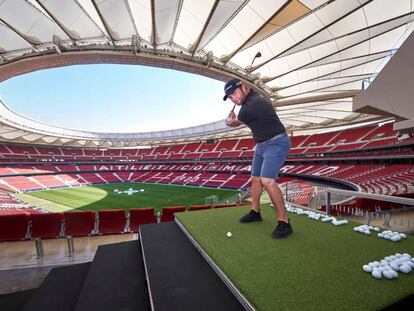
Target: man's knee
[(267, 182), (256, 180)]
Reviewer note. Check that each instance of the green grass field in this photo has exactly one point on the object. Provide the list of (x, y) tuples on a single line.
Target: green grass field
[(318, 268), (101, 197)]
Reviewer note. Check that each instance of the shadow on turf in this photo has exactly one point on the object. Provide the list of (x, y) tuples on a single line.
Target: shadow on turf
[(404, 304)]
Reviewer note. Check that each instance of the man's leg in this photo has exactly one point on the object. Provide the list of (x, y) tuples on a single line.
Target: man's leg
[(276, 196), (256, 193), (254, 214)]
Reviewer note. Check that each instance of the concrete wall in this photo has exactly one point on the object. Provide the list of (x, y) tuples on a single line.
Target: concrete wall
[(392, 92)]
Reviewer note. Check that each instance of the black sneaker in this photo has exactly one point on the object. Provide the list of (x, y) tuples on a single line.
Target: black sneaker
[(282, 231), (251, 216)]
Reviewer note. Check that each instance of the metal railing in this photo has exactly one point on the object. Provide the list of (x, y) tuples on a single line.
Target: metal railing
[(408, 204)]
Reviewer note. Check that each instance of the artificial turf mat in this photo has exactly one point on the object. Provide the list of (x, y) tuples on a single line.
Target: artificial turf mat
[(319, 267), (101, 197)]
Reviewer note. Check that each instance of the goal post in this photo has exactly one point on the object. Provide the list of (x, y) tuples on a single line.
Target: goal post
[(211, 200)]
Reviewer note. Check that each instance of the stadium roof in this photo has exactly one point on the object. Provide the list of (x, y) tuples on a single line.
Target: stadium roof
[(315, 55)]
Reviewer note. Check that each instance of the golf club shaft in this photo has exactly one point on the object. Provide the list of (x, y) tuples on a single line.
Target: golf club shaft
[(233, 107)]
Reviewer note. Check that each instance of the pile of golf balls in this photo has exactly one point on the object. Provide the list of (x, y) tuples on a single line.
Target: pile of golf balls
[(365, 229), (390, 266), (316, 216), (391, 235)]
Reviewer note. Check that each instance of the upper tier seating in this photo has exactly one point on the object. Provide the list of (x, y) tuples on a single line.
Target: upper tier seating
[(338, 141)]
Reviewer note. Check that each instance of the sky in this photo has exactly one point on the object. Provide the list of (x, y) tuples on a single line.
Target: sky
[(116, 98)]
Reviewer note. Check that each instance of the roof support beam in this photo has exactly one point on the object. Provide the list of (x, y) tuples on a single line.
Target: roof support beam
[(346, 48), (177, 18), (107, 29), (194, 47), (230, 56), (318, 78), (226, 23), (64, 29), (132, 18), (27, 39), (310, 36), (360, 78), (154, 26), (316, 98)]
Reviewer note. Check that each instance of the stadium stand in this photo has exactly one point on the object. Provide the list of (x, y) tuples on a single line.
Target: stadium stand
[(224, 164)]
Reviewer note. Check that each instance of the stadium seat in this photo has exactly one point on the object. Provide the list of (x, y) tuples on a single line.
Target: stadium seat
[(79, 223), (199, 207), (224, 205), (46, 225), (13, 227), (112, 221), (168, 212), (140, 216)]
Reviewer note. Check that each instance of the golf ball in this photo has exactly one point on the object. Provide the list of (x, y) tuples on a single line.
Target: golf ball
[(388, 274), (405, 269), (228, 234), (376, 274)]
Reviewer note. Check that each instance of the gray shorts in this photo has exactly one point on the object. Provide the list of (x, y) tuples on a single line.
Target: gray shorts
[(270, 155)]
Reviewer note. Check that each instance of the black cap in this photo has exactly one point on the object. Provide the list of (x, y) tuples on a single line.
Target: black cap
[(230, 87)]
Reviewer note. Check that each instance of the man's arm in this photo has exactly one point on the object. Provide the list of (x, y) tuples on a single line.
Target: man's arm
[(232, 120), (234, 123)]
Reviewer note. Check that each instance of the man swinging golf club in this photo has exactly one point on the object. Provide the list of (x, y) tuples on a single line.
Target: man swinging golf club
[(272, 148)]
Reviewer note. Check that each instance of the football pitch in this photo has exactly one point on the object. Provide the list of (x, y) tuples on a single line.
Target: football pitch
[(103, 197)]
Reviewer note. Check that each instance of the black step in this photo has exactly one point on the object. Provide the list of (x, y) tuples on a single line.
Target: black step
[(178, 276), (15, 301), (116, 280), (59, 290)]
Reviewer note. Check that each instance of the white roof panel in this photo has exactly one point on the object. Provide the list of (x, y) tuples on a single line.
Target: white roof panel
[(141, 13), (310, 50), (165, 15), (193, 13), (10, 40), (117, 18), (71, 15), (30, 22)]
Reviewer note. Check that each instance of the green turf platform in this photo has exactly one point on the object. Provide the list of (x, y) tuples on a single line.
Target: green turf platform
[(318, 268)]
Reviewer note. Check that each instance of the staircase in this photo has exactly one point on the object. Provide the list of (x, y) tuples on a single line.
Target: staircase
[(161, 271)]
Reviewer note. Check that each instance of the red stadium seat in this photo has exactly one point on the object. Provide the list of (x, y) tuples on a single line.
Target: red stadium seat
[(141, 216), (13, 227), (168, 212), (46, 225), (79, 223), (112, 221), (199, 207)]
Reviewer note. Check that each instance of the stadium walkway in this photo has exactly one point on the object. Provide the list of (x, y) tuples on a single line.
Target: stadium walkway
[(20, 270)]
